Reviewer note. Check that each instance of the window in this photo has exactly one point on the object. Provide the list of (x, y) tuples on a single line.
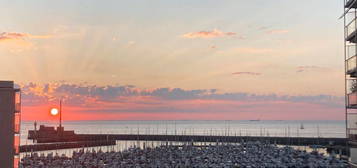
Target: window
[(17, 144), (17, 101), (17, 123), (16, 161)]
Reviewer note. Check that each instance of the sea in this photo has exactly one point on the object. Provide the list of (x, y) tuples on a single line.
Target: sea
[(277, 128)]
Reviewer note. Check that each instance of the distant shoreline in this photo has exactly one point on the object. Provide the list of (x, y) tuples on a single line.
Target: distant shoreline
[(180, 120)]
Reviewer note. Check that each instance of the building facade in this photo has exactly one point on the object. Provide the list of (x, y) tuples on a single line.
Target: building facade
[(10, 118)]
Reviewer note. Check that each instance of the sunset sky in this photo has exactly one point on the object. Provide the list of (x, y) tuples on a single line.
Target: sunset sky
[(175, 59)]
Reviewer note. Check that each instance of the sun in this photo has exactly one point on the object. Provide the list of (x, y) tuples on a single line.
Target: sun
[(54, 111)]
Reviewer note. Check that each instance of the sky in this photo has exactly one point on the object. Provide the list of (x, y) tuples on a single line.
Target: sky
[(175, 60)]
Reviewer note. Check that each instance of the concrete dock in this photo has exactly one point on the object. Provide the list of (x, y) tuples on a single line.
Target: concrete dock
[(303, 141)]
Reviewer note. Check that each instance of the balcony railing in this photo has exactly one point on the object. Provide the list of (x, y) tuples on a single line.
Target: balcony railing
[(351, 50), (352, 126), (351, 64), (351, 30)]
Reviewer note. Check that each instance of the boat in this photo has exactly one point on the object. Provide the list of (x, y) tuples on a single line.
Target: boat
[(302, 126)]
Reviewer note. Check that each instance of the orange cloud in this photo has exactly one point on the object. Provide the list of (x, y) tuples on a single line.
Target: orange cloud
[(246, 73), (10, 36), (39, 36), (4, 36), (208, 34)]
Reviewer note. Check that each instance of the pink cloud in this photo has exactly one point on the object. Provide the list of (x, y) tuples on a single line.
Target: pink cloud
[(208, 34), (246, 73), (309, 68)]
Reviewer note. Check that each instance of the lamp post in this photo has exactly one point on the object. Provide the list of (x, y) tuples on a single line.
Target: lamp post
[(55, 112), (60, 114)]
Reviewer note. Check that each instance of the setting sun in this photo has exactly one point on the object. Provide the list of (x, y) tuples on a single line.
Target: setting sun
[(54, 111)]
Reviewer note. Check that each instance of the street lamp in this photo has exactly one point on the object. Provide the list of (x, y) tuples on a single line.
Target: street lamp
[(55, 111)]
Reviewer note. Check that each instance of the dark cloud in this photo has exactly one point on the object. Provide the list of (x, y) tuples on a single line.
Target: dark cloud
[(100, 92), (80, 95), (175, 94)]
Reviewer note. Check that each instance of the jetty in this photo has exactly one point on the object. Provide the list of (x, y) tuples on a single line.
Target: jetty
[(296, 141), (49, 138)]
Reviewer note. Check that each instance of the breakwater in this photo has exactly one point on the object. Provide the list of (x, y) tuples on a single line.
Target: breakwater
[(90, 140), (297, 141)]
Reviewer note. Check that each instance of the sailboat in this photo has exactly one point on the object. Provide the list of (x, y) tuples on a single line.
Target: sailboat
[(302, 126)]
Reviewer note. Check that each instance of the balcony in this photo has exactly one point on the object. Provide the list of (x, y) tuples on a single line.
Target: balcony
[(352, 66), (352, 126), (352, 100), (351, 3), (351, 31), (351, 37)]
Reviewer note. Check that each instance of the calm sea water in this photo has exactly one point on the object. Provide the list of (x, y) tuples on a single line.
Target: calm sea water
[(193, 127)]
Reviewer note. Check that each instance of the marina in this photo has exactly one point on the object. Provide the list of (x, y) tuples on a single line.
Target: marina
[(48, 139), (330, 143), (245, 154), (176, 145)]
